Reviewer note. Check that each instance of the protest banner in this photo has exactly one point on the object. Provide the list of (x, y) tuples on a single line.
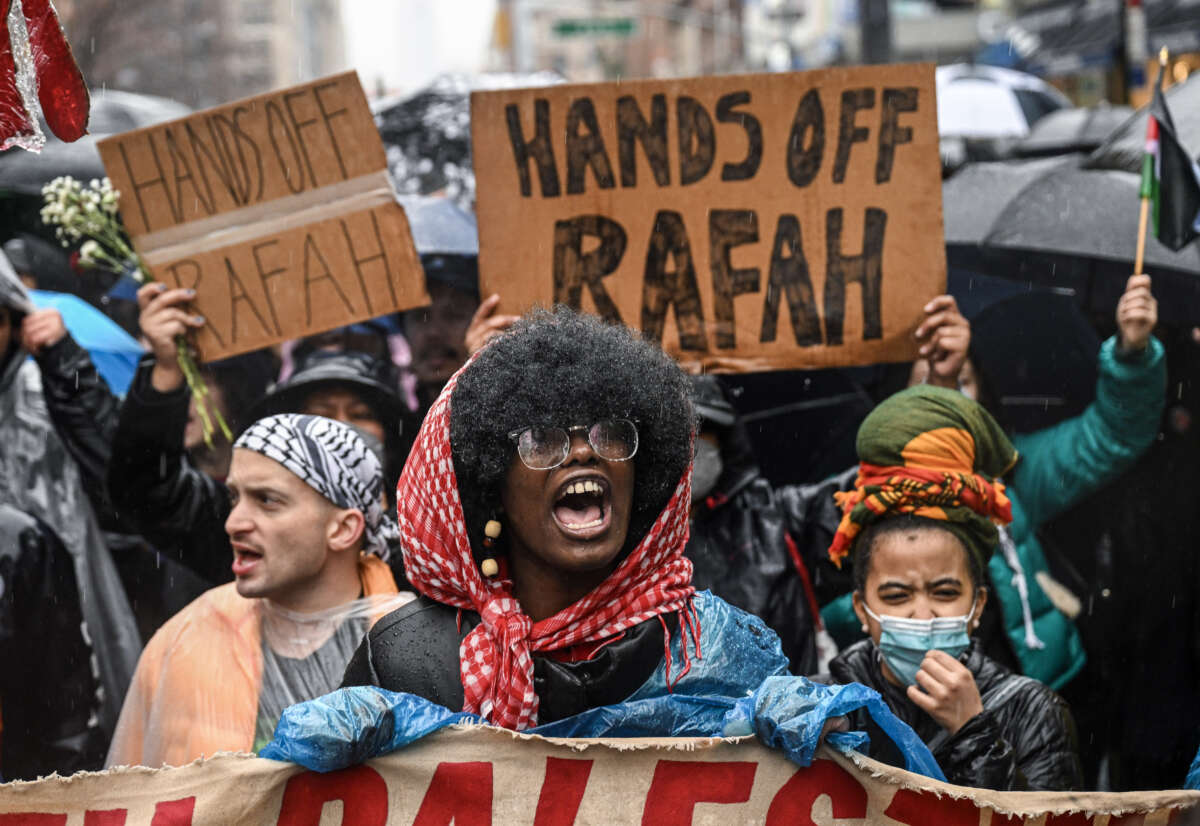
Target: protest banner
[(745, 222), (276, 209), (475, 776)]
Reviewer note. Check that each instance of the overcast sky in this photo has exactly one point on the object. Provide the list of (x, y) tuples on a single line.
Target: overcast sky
[(401, 44)]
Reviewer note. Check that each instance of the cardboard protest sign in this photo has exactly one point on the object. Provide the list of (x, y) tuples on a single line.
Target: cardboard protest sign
[(746, 222), (276, 209), (476, 776)]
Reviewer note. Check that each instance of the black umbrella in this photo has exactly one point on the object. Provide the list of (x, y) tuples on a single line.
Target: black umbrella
[(978, 193), (1066, 227), (428, 133), (1085, 213), (1036, 353), (1072, 130), (114, 111), (1126, 146), (25, 173)]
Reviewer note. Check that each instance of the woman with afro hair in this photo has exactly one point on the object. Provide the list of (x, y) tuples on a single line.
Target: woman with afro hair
[(569, 441), (543, 515)]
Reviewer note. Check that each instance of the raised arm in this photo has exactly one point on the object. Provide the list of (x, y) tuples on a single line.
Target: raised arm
[(179, 509), (1064, 464), (81, 405)]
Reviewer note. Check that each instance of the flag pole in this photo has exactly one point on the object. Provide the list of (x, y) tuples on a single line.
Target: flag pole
[(1145, 214)]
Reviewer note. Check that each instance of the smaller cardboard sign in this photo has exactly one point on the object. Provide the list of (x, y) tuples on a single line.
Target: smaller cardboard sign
[(746, 223), (276, 209)]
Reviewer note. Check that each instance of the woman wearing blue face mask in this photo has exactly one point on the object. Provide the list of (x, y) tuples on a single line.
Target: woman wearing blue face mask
[(919, 526)]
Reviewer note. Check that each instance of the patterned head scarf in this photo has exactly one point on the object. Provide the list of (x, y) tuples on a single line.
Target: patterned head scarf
[(495, 657), (332, 459), (931, 452)]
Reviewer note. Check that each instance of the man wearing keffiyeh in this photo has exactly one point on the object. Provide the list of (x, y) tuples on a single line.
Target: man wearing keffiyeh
[(307, 526)]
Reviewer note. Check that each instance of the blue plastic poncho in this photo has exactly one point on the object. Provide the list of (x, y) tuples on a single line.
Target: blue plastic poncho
[(740, 686)]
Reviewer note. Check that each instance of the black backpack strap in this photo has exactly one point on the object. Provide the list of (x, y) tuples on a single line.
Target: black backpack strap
[(414, 649)]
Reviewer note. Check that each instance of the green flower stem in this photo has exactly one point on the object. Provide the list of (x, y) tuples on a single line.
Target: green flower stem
[(199, 390)]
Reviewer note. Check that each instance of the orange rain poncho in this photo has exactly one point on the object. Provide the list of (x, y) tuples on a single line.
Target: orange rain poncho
[(198, 683)]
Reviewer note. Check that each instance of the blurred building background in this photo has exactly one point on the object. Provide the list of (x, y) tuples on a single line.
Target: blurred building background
[(203, 52)]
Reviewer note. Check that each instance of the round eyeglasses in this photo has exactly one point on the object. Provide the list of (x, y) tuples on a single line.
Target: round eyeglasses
[(545, 448)]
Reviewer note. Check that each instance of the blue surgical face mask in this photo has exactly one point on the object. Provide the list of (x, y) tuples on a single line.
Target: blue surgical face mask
[(903, 642)]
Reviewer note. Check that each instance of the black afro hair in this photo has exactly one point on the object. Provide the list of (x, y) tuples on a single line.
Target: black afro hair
[(562, 369)]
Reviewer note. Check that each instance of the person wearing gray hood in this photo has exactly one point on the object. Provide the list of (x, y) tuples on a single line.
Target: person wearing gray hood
[(52, 424)]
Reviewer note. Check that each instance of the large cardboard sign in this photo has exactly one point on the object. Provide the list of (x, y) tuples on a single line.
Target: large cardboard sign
[(474, 776), (276, 209), (746, 222)]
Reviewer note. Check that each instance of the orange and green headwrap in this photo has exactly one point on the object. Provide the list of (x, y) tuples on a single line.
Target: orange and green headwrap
[(931, 452)]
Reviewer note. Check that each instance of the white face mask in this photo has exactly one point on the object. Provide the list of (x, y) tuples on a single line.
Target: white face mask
[(706, 469)]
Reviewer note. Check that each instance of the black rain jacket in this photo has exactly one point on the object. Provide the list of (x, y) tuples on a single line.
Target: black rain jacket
[(180, 510), (1023, 741), (759, 547), (49, 696)]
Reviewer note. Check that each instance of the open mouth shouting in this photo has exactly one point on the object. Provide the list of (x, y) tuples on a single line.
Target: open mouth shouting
[(583, 506), (245, 559)]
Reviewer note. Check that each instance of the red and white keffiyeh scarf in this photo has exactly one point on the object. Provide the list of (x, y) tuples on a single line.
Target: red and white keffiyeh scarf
[(495, 657)]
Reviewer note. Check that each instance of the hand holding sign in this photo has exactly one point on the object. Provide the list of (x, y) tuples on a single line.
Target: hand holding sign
[(486, 323), (945, 338)]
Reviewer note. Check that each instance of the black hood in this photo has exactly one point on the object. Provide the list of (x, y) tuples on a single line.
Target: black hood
[(716, 414)]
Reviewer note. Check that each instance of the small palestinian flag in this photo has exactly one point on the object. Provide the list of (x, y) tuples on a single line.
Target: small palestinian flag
[(1170, 179)]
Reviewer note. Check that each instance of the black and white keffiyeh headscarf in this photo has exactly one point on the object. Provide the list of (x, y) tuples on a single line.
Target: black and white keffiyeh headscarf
[(332, 459)]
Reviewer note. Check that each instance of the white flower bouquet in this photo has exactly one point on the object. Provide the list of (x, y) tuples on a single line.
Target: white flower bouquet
[(91, 214)]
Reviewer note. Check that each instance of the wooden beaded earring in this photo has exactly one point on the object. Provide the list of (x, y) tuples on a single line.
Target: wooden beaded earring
[(491, 532)]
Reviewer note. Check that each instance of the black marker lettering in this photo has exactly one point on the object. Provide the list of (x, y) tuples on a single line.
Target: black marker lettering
[(573, 269), (891, 133), (300, 125), (789, 276), (804, 154), (275, 116), (632, 128), (727, 113), (865, 269), (697, 140), (238, 294), (662, 288), (728, 228), (311, 252), (587, 149), (264, 278), (539, 149), (853, 101), (328, 116)]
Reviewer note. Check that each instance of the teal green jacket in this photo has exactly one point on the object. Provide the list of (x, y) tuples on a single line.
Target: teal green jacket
[(1059, 467)]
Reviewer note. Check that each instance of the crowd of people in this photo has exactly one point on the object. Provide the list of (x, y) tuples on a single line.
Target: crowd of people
[(530, 519)]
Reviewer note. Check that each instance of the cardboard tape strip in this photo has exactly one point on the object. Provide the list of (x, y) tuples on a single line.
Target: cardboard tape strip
[(270, 218)]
